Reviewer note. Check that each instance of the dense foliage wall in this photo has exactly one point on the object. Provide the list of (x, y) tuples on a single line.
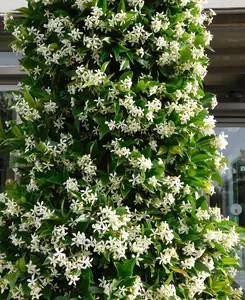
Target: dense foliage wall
[(115, 148)]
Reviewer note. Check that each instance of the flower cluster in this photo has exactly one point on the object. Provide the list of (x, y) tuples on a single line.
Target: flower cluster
[(114, 147)]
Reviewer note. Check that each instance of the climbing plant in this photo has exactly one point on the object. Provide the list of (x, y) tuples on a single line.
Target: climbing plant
[(115, 150)]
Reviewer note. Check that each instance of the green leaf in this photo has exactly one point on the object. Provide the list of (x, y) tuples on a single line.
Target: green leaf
[(191, 171), (86, 281), (141, 86), (107, 255), (125, 269), (2, 132), (121, 6), (125, 191), (128, 281), (125, 64), (201, 267), (217, 177), (25, 11), (16, 131), (175, 150), (119, 49), (47, 292), (178, 270), (104, 66), (56, 180), (93, 148), (54, 46), (61, 298), (202, 203), (229, 261), (147, 152), (102, 4), (207, 99), (22, 264), (121, 211), (220, 248), (29, 99), (126, 75), (170, 278), (12, 278), (99, 119), (162, 150), (103, 130), (41, 146), (191, 237)]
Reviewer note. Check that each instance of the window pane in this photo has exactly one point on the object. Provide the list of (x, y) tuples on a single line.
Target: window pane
[(233, 190)]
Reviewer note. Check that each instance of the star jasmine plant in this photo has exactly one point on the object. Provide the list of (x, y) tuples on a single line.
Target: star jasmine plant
[(115, 151)]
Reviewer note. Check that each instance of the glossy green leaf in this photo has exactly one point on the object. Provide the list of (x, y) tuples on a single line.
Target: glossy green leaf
[(125, 269), (162, 150), (121, 6), (22, 264), (175, 150), (104, 66), (29, 99), (102, 4)]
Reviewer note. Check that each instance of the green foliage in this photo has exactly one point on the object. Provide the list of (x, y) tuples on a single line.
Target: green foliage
[(114, 148)]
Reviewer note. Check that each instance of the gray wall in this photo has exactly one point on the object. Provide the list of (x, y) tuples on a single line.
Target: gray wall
[(225, 4), (8, 5)]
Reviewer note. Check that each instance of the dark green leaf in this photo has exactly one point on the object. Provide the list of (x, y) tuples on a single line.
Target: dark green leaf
[(126, 75), (102, 4), (125, 192), (16, 131), (121, 6), (22, 264), (125, 269), (201, 267)]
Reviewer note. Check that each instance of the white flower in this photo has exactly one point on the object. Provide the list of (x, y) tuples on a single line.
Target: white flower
[(163, 232), (166, 255), (207, 37), (202, 214), (79, 239), (141, 245), (135, 3), (214, 102), (144, 163), (161, 42), (71, 184), (153, 181), (156, 25), (189, 249), (220, 141), (166, 291), (208, 126), (50, 107), (140, 52), (165, 129), (117, 19), (126, 84), (188, 263)]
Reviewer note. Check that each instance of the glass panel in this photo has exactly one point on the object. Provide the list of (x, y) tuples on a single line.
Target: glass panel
[(231, 197), (5, 168)]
